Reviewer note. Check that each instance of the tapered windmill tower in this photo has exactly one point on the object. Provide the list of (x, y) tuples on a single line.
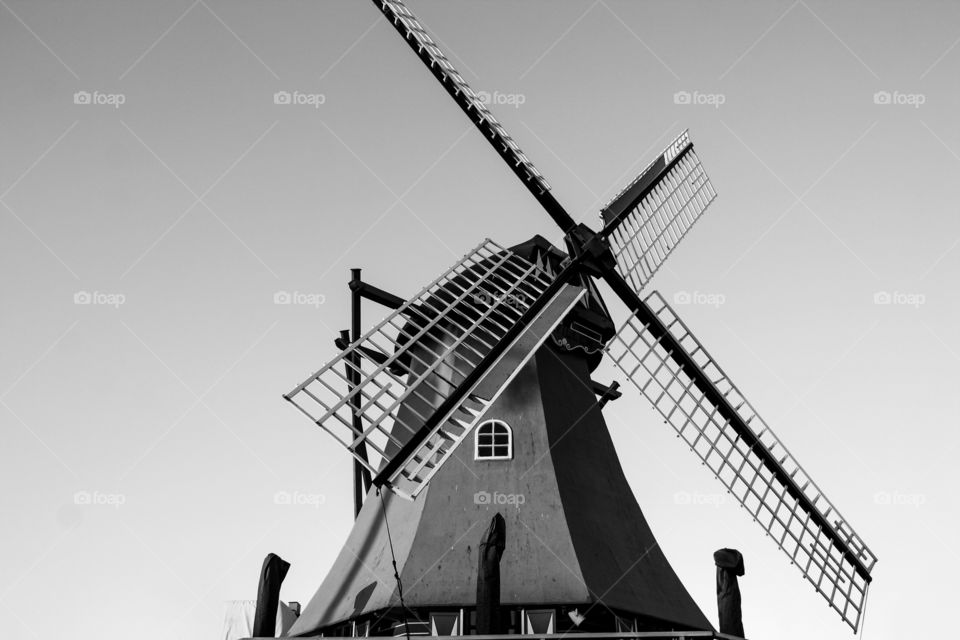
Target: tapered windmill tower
[(496, 355)]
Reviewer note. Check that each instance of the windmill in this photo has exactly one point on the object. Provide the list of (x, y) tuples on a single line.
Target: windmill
[(512, 334)]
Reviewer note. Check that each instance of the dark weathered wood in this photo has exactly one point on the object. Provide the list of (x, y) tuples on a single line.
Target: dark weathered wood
[(488, 576), (272, 573), (606, 393), (729, 565), (376, 294)]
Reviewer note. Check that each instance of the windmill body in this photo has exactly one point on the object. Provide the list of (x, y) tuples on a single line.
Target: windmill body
[(474, 396), (577, 538)]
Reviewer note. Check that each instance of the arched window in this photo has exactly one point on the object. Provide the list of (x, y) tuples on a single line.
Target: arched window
[(493, 441)]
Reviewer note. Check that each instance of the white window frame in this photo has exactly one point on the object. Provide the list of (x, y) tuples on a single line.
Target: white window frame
[(476, 440)]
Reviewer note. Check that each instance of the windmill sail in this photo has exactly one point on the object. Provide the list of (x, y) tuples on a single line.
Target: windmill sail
[(646, 221), (471, 103), (728, 435), (425, 375)]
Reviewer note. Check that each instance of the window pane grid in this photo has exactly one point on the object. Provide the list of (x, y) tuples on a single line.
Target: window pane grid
[(494, 441)]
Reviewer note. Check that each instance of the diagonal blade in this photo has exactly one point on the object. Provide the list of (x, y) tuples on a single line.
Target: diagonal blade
[(646, 221), (693, 394), (467, 99), (428, 353), (417, 462)]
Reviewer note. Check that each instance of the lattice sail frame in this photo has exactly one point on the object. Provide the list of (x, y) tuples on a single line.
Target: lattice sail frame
[(402, 16), (646, 235), (423, 351), (642, 358)]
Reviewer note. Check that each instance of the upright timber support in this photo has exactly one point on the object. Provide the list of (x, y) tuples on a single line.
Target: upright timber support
[(488, 577), (358, 291), (272, 573), (361, 477), (729, 565)]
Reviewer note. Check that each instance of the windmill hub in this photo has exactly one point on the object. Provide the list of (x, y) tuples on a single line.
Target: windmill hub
[(597, 256), (588, 327)]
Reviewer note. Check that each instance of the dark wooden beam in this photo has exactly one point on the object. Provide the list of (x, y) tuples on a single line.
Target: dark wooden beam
[(490, 551), (361, 475), (606, 393), (376, 294)]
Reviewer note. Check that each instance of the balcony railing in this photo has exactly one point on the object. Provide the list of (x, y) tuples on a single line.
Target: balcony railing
[(632, 635)]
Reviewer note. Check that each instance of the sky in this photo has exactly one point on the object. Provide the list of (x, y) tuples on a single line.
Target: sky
[(160, 199)]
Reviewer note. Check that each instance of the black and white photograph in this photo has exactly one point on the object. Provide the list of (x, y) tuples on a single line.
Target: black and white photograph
[(565, 319)]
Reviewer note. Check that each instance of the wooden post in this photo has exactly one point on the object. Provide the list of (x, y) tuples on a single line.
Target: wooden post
[(488, 577), (729, 565), (272, 573)]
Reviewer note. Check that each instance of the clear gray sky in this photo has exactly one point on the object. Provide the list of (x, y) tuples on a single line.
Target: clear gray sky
[(178, 199)]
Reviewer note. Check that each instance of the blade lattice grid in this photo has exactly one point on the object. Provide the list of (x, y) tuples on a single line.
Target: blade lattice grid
[(413, 30), (745, 474), (647, 235), (410, 363)]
